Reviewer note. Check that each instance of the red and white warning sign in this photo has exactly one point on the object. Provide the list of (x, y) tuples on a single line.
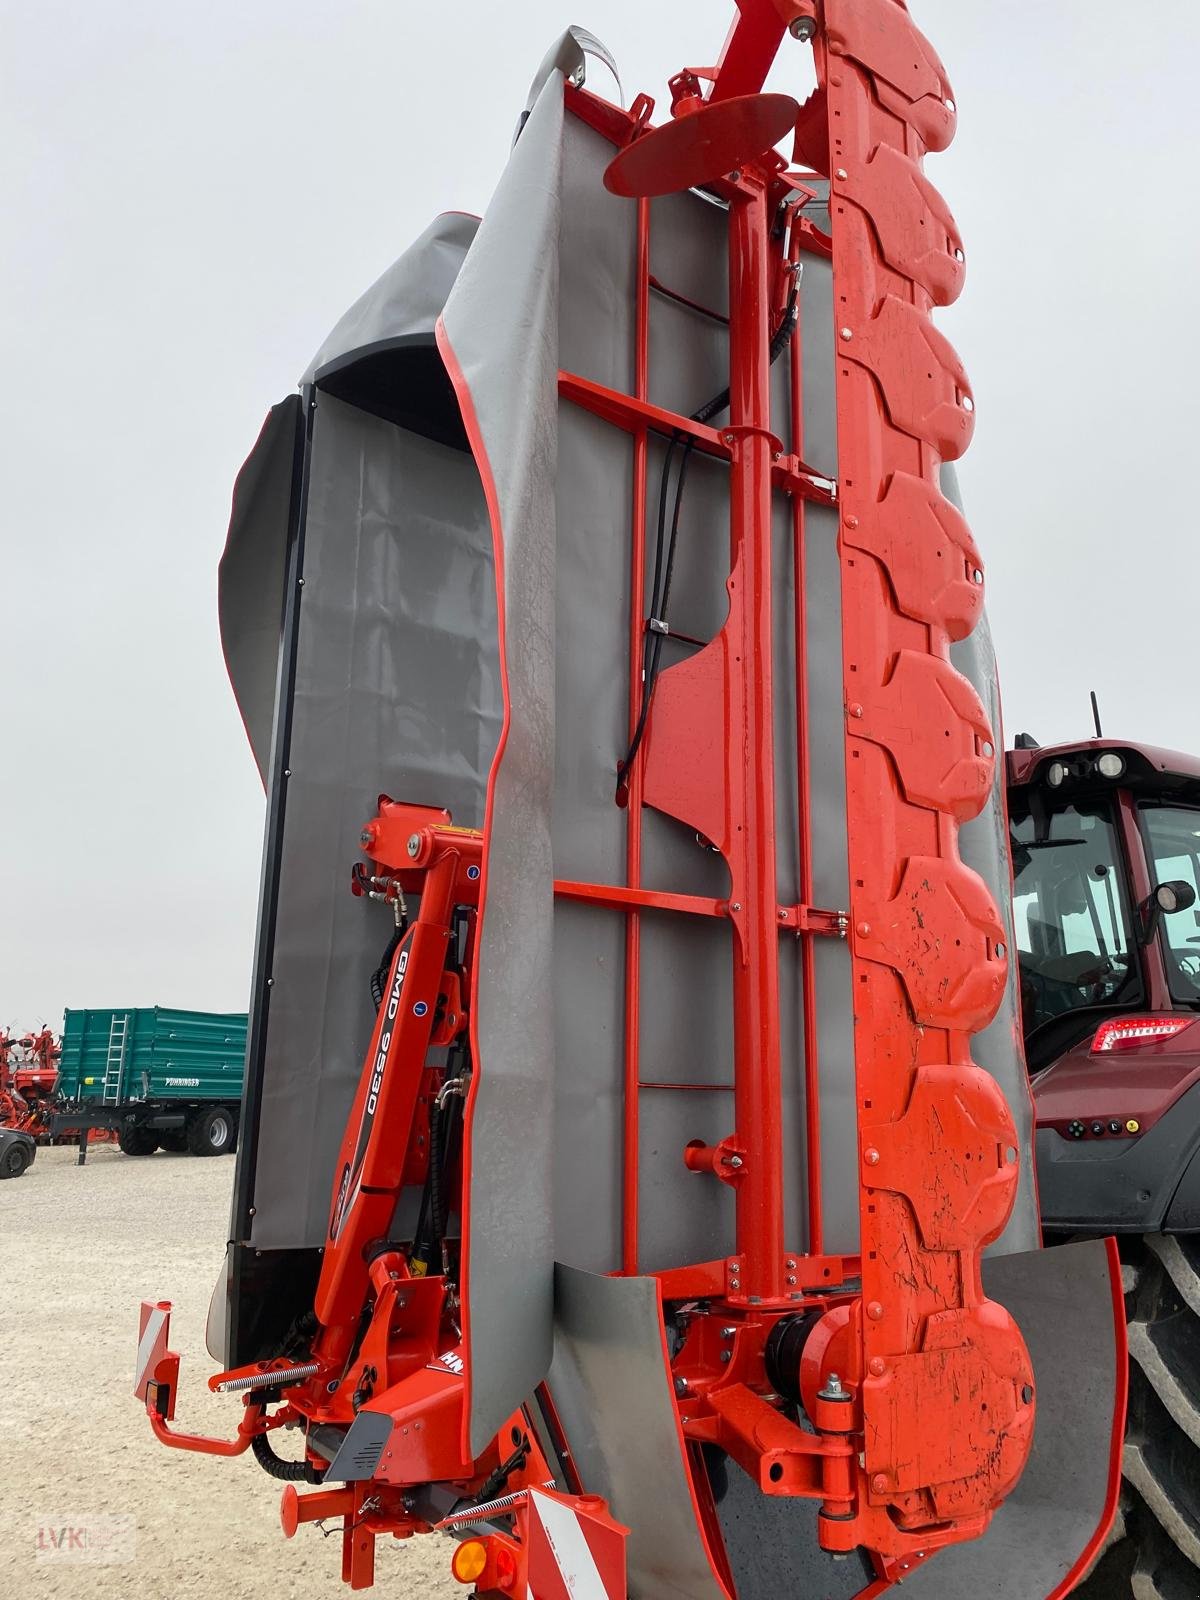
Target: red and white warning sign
[(154, 1328), (576, 1550)]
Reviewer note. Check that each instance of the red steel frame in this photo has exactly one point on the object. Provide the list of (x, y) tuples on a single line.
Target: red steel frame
[(920, 758), (930, 1420)]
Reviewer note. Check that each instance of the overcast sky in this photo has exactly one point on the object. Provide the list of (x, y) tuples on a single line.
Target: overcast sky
[(192, 195)]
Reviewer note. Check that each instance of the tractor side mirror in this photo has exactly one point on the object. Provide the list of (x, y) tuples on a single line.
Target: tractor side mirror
[(1174, 895)]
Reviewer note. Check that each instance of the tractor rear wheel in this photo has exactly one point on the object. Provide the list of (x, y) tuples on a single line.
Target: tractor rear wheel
[(137, 1141), (212, 1132), (1154, 1552)]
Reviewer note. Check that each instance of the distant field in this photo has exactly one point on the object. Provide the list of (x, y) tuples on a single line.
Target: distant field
[(79, 1248)]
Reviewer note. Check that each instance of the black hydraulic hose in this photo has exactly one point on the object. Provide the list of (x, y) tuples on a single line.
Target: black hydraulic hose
[(450, 1129), (660, 588), (288, 1471), (436, 1143), (379, 977)]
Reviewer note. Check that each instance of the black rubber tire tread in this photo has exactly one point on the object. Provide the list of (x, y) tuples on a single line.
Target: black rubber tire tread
[(200, 1131), (137, 1141), (173, 1140), (14, 1161), (1154, 1551)]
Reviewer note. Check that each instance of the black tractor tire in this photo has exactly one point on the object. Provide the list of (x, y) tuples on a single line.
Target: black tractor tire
[(173, 1140), (14, 1161), (212, 1131), (137, 1141), (1154, 1550)]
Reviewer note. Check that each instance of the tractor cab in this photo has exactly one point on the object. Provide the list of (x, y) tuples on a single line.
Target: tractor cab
[(1106, 899)]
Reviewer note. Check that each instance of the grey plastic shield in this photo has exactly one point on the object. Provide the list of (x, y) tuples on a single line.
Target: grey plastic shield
[(499, 334), (251, 574), (612, 1389)]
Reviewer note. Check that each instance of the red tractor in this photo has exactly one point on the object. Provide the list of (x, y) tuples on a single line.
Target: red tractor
[(1106, 875)]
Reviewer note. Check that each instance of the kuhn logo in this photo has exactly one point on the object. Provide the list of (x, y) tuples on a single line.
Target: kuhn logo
[(351, 1179), (452, 1361)]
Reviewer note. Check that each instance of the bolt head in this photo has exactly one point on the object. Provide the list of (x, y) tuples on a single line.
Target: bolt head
[(681, 1386), (735, 1162), (414, 844), (863, 930), (878, 1366), (879, 1483), (871, 1157), (803, 28), (856, 711), (846, 333), (840, 173), (726, 1355), (875, 1311)]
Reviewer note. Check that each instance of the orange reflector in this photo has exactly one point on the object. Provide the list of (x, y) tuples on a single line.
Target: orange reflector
[(469, 1560)]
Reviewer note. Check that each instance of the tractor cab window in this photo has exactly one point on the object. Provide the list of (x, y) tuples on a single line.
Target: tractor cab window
[(1074, 932), (1172, 835)]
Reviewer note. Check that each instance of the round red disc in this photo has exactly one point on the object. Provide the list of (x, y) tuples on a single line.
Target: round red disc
[(289, 1512), (702, 145)]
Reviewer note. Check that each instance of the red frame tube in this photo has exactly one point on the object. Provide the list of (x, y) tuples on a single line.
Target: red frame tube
[(757, 1066), (808, 977)]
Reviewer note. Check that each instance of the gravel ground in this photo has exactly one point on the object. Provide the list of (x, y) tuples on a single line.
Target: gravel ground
[(80, 1249)]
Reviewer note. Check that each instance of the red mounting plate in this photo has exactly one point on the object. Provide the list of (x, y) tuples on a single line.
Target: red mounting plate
[(703, 145)]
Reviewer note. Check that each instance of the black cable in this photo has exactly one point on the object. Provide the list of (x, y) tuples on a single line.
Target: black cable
[(288, 1471), (379, 977), (652, 647), (432, 1217), (492, 1485)]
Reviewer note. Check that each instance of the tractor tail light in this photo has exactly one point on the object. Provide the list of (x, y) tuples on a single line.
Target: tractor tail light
[(1130, 1032)]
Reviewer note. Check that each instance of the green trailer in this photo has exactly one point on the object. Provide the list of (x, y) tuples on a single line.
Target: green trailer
[(163, 1079)]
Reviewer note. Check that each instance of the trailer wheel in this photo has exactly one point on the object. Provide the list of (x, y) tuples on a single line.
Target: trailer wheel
[(137, 1141), (173, 1140), (212, 1132), (14, 1161), (1154, 1551)]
